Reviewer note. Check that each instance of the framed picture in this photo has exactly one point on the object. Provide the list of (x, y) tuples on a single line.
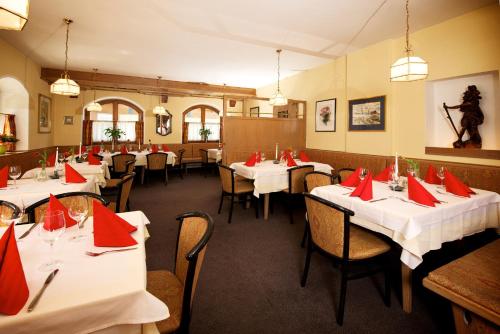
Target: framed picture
[(367, 114), (254, 112), (68, 120), (44, 114), (283, 114), (325, 115)]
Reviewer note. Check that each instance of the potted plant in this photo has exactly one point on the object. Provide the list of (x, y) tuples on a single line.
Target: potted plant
[(204, 133), (42, 174), (113, 135)]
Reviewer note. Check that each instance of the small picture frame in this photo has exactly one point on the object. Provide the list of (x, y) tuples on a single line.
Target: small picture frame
[(367, 114), (68, 120), (44, 114), (326, 115), (254, 112)]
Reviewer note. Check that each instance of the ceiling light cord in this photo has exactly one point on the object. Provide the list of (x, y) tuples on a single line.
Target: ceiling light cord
[(68, 22), (279, 52), (408, 48)]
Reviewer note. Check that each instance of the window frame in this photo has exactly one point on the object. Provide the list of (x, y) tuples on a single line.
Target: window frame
[(203, 107)]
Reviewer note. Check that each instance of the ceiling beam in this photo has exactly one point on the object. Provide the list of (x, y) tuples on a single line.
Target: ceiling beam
[(98, 80)]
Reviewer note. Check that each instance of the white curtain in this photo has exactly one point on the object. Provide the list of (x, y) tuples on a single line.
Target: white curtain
[(128, 128), (194, 131), (98, 128), (215, 129)]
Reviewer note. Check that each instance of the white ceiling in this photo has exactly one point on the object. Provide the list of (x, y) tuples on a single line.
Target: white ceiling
[(217, 41)]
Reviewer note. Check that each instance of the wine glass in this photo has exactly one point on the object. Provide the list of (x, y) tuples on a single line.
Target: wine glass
[(440, 174), (262, 156), (52, 225), (15, 173), (362, 173), (410, 171), (78, 211), (294, 154)]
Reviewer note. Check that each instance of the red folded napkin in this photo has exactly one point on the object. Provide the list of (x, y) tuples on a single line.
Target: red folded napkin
[(56, 205), (4, 176), (72, 176), (290, 161), (431, 176), (84, 149), (93, 160), (154, 148), (111, 230), (303, 157), (51, 160), (365, 189), (14, 290), (165, 148), (251, 160), (417, 193), (123, 149), (353, 179), (384, 175), (96, 149), (455, 186)]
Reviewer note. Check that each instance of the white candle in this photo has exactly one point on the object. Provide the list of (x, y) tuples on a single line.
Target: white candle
[(396, 168), (276, 154), (80, 150), (139, 145), (57, 157)]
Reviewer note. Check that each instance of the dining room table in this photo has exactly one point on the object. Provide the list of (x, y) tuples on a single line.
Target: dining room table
[(140, 157), (214, 153), (272, 177), (417, 228), (89, 294)]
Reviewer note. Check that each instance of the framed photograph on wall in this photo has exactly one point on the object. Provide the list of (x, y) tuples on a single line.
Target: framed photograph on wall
[(254, 112), (367, 114), (44, 114), (325, 115), (68, 120)]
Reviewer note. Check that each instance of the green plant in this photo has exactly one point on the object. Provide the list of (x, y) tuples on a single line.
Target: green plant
[(114, 134), (43, 158), (8, 139), (413, 164), (204, 133)]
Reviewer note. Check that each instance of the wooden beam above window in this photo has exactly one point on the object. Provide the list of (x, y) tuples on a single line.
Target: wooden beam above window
[(91, 80)]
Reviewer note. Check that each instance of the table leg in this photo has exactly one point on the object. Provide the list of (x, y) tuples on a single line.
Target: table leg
[(266, 206), (406, 289), (247, 201)]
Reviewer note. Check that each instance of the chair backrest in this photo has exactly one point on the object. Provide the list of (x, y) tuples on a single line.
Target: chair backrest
[(227, 178), (204, 155), (180, 156), (120, 161), (9, 210), (129, 166), (124, 189), (317, 179), (296, 178), (157, 161), (329, 225), (344, 173), (36, 210), (195, 230)]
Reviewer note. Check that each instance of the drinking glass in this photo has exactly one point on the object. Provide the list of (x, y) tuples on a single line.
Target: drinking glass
[(78, 211), (51, 226), (440, 174), (294, 154), (362, 173), (410, 171), (262, 156), (15, 173)]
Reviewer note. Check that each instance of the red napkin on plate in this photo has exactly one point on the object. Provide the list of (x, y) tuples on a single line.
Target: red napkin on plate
[(72, 176), (14, 290), (93, 160), (154, 148), (123, 149), (111, 230), (455, 186), (353, 179), (4, 176), (290, 161), (251, 160), (365, 189), (384, 175), (96, 149), (51, 160), (431, 176), (56, 205), (165, 148), (303, 157), (417, 193), (84, 149)]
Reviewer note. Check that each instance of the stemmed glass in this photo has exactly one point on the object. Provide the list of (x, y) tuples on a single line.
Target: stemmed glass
[(78, 210), (15, 173), (410, 171), (440, 174), (294, 154), (52, 225), (362, 173), (262, 156)]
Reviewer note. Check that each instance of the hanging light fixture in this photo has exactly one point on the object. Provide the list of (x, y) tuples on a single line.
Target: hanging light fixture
[(409, 68), (64, 85), (13, 14), (278, 99), (94, 106), (159, 109)]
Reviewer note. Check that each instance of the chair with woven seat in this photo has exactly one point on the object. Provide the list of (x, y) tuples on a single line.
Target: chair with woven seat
[(120, 163), (122, 203), (344, 173), (178, 166), (206, 163), (332, 233), (112, 184), (176, 289), (36, 210), (9, 210), (296, 185), (156, 162), (234, 186)]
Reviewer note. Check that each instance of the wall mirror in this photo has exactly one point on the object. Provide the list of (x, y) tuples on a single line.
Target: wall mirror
[(164, 124)]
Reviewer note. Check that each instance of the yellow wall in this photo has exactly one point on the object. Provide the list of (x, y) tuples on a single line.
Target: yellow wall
[(463, 45), (15, 64)]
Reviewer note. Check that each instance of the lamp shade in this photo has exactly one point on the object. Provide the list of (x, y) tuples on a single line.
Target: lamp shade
[(159, 110), (409, 68), (278, 99), (13, 14), (65, 86), (94, 106)]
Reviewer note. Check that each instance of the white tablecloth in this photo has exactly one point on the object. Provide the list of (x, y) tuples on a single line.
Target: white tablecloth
[(101, 172), (419, 229), (89, 293), (270, 177), (140, 157), (214, 153), (30, 191)]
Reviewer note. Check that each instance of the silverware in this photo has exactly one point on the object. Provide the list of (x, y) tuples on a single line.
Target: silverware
[(379, 199), (350, 192), (35, 300), (108, 251), (450, 194), (339, 185), (406, 201), (25, 234)]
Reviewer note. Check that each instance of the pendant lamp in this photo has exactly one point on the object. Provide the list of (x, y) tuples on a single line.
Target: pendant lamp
[(94, 105), (278, 99), (159, 109), (13, 14)]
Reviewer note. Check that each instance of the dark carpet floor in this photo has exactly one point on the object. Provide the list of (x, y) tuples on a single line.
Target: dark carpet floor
[(250, 278)]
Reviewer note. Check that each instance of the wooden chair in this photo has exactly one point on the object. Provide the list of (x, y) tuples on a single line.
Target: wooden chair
[(112, 184), (332, 233), (36, 210), (296, 184), (9, 210), (344, 173), (206, 163), (311, 181), (176, 289), (156, 162), (233, 186), (122, 203), (179, 165), (120, 163)]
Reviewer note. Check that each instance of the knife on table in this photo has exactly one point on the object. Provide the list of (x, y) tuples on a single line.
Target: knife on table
[(25, 234), (35, 300)]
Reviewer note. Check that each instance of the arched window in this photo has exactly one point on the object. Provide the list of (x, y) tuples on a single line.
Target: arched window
[(117, 114), (200, 117)]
